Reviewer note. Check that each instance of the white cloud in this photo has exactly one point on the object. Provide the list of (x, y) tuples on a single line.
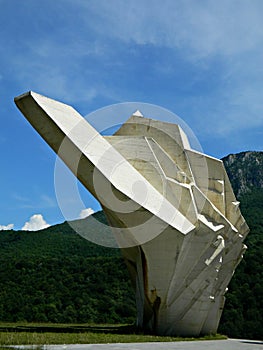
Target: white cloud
[(205, 28), (222, 39), (85, 213), (6, 227), (35, 223), (223, 36)]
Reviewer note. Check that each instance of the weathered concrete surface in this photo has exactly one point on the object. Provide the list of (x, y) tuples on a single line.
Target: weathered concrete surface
[(230, 344), (171, 208)]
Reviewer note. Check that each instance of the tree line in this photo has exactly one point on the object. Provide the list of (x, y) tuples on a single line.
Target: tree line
[(54, 275)]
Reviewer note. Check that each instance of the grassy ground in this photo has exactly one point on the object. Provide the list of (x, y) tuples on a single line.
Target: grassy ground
[(27, 334)]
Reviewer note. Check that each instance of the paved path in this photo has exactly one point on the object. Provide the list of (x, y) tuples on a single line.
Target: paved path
[(230, 344)]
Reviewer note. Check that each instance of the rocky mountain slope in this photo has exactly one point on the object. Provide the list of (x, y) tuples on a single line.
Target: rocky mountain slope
[(245, 171)]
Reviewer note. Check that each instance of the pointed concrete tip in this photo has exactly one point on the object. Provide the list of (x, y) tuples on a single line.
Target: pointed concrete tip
[(17, 98), (137, 113)]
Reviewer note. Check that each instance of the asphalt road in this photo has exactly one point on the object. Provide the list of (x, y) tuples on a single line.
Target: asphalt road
[(230, 344)]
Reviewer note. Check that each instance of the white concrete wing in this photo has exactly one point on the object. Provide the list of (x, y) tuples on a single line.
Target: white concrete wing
[(172, 211)]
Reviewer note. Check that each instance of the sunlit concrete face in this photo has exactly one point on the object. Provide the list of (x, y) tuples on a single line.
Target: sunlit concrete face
[(172, 211)]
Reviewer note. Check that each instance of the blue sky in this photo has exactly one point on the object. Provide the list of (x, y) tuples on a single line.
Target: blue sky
[(199, 59)]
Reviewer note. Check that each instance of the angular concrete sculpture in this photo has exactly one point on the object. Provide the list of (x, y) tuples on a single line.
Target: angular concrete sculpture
[(172, 211)]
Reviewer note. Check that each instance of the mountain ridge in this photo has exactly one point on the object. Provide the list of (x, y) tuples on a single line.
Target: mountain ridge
[(55, 275)]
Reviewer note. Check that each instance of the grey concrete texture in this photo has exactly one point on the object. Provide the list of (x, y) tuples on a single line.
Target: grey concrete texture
[(229, 344)]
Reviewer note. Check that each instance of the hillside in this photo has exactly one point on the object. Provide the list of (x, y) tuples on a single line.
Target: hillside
[(245, 171), (242, 315), (54, 275)]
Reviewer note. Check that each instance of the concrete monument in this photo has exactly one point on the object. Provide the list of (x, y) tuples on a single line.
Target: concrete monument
[(171, 208)]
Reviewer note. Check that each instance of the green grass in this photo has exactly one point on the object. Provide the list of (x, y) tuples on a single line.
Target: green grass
[(43, 334)]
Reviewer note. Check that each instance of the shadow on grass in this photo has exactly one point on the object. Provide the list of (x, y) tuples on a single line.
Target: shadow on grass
[(106, 329)]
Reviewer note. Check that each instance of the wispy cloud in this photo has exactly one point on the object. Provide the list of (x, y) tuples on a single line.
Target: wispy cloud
[(95, 55), (43, 202), (47, 201), (20, 198), (205, 28), (200, 59), (219, 38), (22, 201)]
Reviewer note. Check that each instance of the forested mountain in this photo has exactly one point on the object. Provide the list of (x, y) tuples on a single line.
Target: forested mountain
[(243, 312), (55, 275)]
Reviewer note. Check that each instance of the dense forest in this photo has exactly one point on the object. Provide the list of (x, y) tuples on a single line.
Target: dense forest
[(54, 275), (242, 315)]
